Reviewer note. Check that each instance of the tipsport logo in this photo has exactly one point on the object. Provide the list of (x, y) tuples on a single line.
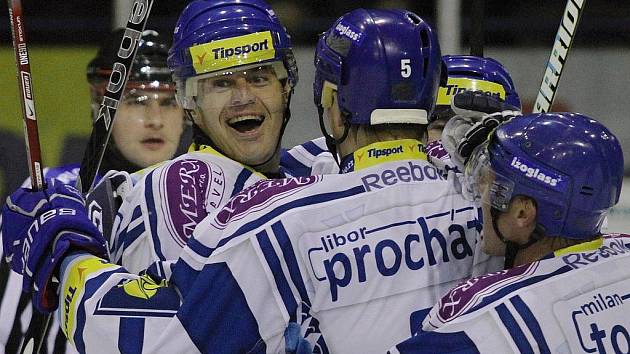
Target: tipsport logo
[(377, 153), (598, 321), (537, 173), (217, 55), (456, 85), (226, 53)]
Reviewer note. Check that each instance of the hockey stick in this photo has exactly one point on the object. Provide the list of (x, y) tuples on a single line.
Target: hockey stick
[(25, 84), (39, 322), (558, 57), (101, 129), (140, 9)]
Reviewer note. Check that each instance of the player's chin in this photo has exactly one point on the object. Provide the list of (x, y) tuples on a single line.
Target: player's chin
[(151, 157), (256, 155)]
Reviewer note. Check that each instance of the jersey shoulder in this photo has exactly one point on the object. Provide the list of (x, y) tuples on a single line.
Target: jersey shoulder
[(309, 158), (486, 290)]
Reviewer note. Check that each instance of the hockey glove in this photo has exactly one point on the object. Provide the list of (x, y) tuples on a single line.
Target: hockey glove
[(477, 115), (39, 229)]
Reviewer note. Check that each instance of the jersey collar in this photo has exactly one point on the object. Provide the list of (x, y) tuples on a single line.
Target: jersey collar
[(207, 149), (581, 247), (384, 151)]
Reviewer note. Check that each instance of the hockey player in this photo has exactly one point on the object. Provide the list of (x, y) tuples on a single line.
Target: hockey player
[(234, 68), (466, 73), (348, 263), (149, 127), (546, 182)]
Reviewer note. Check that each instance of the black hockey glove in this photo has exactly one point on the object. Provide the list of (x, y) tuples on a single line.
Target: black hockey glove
[(477, 114)]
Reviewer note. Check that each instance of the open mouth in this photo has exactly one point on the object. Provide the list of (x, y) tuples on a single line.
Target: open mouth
[(244, 124), (153, 142)]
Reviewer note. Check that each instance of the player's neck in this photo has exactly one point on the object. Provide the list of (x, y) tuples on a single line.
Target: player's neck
[(271, 167), (537, 251)]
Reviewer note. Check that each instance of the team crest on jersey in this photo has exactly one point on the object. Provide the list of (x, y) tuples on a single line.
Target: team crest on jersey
[(468, 294), (259, 195), (191, 184)]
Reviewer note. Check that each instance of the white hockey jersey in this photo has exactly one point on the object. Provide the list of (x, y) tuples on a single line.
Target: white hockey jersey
[(168, 201), (354, 260), (574, 301)]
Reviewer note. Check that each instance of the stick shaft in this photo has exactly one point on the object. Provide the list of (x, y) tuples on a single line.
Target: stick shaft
[(558, 57), (25, 84)]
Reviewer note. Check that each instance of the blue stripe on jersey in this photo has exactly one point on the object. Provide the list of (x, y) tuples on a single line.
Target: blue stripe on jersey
[(129, 236), (216, 315), (436, 342), (391, 225), (309, 200), (240, 181), (199, 248), (133, 328), (152, 215), (512, 288), (278, 275), (293, 166), (312, 148), (512, 327), (532, 324), (184, 276), (122, 239), (290, 260), (90, 288)]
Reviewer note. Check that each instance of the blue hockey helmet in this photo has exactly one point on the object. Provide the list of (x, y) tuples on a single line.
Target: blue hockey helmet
[(385, 66), (570, 164), (212, 35), (468, 72)]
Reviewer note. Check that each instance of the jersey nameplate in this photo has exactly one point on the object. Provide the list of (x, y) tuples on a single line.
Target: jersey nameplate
[(387, 253), (597, 321)]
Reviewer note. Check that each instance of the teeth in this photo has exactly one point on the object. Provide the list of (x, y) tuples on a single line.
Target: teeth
[(243, 118)]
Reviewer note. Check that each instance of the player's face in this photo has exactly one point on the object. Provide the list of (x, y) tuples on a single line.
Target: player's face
[(148, 126), (242, 113)]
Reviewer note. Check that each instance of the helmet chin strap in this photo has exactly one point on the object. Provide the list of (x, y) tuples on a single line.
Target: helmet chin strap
[(331, 142), (511, 248)]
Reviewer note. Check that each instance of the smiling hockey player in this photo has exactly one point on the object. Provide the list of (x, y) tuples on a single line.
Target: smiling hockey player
[(234, 68), (546, 182)]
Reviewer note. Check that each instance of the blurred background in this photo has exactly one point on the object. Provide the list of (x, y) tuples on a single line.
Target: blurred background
[(63, 37)]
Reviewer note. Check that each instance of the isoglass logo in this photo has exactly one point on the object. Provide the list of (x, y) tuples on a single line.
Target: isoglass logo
[(535, 172)]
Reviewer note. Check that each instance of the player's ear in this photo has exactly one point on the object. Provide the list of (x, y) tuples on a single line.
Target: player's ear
[(522, 213)]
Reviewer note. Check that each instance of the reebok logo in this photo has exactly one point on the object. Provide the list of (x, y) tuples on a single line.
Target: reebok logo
[(534, 173), (227, 52)]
